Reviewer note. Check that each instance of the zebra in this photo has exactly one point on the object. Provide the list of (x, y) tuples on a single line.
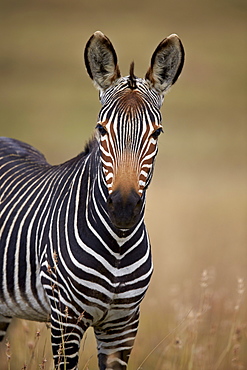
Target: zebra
[(74, 249)]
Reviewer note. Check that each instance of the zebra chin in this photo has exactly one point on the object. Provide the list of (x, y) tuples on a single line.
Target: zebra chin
[(124, 209)]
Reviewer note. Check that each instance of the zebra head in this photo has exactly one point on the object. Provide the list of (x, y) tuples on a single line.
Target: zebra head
[(129, 122)]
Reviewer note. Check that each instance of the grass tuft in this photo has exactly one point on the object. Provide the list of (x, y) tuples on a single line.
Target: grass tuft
[(208, 335)]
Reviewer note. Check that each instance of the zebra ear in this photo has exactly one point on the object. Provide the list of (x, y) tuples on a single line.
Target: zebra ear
[(101, 60), (166, 64)]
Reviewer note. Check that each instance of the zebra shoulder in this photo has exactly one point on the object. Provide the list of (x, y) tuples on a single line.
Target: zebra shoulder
[(10, 147)]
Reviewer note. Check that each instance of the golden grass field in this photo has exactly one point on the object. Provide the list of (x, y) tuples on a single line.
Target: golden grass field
[(194, 315)]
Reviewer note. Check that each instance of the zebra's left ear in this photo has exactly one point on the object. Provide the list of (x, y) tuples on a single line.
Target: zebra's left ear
[(166, 64), (101, 60)]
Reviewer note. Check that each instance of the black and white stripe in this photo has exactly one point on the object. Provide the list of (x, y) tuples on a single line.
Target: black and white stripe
[(62, 258), (123, 117)]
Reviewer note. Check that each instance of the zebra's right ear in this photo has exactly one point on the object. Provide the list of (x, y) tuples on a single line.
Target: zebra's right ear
[(101, 61), (166, 64)]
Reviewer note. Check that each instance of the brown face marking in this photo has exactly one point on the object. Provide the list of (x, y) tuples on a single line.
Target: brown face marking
[(126, 175), (128, 169), (131, 101), (128, 148)]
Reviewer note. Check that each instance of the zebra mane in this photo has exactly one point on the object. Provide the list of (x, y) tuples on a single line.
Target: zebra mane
[(89, 146), (132, 77)]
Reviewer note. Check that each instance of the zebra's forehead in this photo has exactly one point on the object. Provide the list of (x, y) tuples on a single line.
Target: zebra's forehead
[(124, 105), (122, 87)]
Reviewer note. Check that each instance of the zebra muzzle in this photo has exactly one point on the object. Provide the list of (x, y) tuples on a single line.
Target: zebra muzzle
[(124, 209)]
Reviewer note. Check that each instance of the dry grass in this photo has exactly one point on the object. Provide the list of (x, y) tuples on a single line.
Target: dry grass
[(209, 335), (196, 208)]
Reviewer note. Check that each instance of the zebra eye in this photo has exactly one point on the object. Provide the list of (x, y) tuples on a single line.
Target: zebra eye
[(101, 129), (157, 132)]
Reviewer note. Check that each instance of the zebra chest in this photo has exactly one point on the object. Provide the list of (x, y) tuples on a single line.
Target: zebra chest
[(95, 282), (99, 294)]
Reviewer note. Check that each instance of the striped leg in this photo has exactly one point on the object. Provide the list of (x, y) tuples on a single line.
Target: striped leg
[(115, 341), (4, 323), (66, 337)]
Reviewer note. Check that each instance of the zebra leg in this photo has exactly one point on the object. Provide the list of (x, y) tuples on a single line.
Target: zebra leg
[(4, 323), (66, 335), (115, 340), (115, 361)]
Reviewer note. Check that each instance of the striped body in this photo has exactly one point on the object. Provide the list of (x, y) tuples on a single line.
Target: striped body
[(49, 213), (73, 244)]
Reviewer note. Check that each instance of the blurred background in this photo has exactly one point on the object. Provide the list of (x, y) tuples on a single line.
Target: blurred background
[(197, 203)]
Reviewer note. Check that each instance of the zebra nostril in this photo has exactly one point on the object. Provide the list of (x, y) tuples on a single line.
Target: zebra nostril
[(138, 207), (139, 203), (110, 202)]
